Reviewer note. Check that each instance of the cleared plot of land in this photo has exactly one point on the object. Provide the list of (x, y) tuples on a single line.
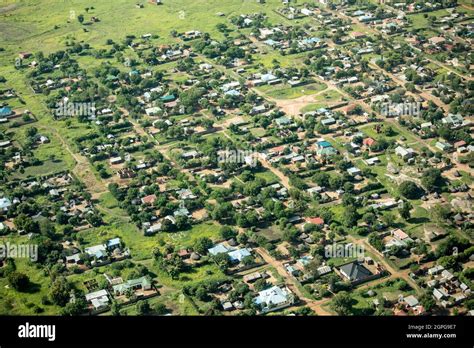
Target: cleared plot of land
[(45, 168), (389, 290), (420, 20), (268, 176), (29, 302), (140, 246), (324, 99), (285, 92), (52, 22), (186, 239), (272, 233)]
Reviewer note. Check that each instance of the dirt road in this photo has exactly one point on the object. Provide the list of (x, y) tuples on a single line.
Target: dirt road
[(294, 285)]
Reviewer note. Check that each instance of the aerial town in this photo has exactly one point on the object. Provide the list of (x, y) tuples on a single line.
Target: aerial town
[(237, 157)]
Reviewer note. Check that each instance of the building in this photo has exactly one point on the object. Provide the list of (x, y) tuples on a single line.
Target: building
[(142, 283), (355, 272), (453, 120), (324, 270), (368, 142), (97, 251), (98, 299), (238, 255), (116, 160), (353, 171), (404, 153), (73, 259), (113, 244), (372, 161), (150, 199), (435, 270), (5, 111), (436, 40), (315, 220), (274, 298), (445, 147), (219, 249), (283, 121), (5, 204)]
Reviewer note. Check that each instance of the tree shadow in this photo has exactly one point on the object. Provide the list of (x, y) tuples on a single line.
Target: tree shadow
[(31, 288), (418, 220)]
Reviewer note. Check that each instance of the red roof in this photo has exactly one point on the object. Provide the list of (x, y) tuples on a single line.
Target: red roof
[(357, 34), (349, 108), (149, 199), (315, 220), (278, 149), (368, 141), (184, 252), (400, 234)]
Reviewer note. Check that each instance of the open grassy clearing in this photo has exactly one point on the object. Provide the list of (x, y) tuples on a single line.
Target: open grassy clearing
[(23, 31), (285, 92)]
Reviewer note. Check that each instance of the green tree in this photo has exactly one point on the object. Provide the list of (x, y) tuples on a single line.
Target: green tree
[(160, 309), (342, 303), (115, 309), (75, 308), (18, 281), (143, 307), (404, 210), (427, 301), (440, 212), (202, 244), (432, 179), (227, 232), (60, 291), (350, 217), (222, 260), (410, 190)]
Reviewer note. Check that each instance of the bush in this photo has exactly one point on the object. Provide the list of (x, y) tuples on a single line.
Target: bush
[(410, 190), (160, 309), (18, 281)]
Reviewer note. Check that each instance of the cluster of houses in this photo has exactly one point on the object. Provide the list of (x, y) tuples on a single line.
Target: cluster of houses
[(121, 291), (333, 144), (102, 254), (59, 197), (447, 290)]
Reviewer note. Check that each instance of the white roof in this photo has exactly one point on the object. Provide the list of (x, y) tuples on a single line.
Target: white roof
[(93, 250), (218, 249), (324, 270), (272, 296), (96, 294), (411, 300), (239, 254)]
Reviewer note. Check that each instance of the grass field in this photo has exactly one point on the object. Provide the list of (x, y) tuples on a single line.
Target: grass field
[(269, 177), (29, 25), (187, 238), (324, 99), (389, 290), (419, 20), (175, 302), (52, 25), (285, 92), (25, 303), (141, 247)]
